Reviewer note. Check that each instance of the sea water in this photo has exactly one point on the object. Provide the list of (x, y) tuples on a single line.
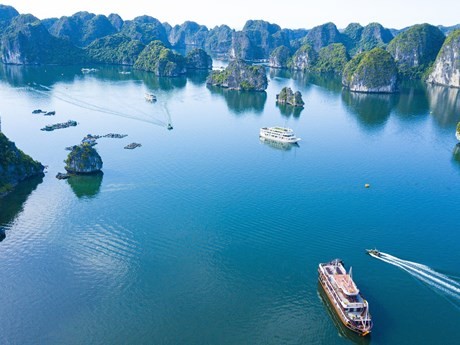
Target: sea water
[(205, 234)]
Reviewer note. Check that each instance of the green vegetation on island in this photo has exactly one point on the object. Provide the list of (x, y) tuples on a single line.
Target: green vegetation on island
[(372, 71), (303, 59), (446, 68), (26, 41), (287, 96), (116, 49), (160, 60), (332, 59), (239, 75), (416, 48), (83, 159), (15, 165)]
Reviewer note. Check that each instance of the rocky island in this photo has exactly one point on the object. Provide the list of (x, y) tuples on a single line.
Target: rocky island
[(15, 166), (287, 96), (446, 69), (239, 75), (371, 72), (83, 159), (148, 44)]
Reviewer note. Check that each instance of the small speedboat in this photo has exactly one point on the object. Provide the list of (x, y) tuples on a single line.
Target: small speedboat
[(373, 252)]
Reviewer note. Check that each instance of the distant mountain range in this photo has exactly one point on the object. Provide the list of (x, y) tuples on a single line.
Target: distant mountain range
[(89, 38)]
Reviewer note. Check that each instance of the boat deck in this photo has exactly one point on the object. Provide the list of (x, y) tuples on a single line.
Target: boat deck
[(346, 284)]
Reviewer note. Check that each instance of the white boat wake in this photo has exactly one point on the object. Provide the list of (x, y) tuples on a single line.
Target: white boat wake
[(89, 106), (436, 280)]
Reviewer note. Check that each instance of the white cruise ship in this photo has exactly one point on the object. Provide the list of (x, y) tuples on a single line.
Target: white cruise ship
[(281, 134)]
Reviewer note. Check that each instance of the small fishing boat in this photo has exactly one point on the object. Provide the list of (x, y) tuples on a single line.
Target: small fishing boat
[(349, 305)]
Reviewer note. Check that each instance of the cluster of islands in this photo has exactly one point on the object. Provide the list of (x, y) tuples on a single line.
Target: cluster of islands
[(370, 59)]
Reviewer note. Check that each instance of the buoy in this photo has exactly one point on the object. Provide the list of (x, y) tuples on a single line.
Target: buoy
[(367, 185)]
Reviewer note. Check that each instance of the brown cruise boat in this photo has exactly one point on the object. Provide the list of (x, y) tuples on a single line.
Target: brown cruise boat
[(348, 303)]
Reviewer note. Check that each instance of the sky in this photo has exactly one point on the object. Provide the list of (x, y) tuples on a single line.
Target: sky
[(292, 14)]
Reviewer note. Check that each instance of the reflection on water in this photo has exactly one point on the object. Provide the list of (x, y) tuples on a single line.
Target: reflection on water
[(197, 77), (281, 73), (239, 102), (456, 155), (12, 204), (86, 186), (372, 110), (153, 82), (413, 100), (343, 331), (444, 104), (21, 76), (278, 145), (330, 82), (288, 110)]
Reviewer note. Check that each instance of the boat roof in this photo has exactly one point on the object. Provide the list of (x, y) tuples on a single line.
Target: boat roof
[(347, 284), (279, 129)]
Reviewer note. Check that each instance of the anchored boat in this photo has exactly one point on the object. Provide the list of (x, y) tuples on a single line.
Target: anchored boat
[(345, 297), (150, 97), (281, 134)]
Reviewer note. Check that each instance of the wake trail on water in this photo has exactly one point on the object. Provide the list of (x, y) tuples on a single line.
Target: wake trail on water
[(85, 105), (428, 275)]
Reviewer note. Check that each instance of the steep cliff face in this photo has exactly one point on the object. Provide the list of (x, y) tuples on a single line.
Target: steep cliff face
[(188, 34), (415, 49), (374, 35), (83, 159), (358, 39), (239, 75), (198, 59), (15, 165), (323, 35), (26, 41), (374, 72), (116, 21), (7, 13), (145, 29), (446, 68), (82, 28), (219, 40), (351, 37), (303, 59), (279, 58), (160, 60), (257, 40)]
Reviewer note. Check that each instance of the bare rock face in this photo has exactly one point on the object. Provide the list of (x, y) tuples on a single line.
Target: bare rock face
[(83, 159), (303, 59), (446, 68), (279, 58)]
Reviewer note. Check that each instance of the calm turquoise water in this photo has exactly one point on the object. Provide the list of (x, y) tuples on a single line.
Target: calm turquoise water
[(205, 235)]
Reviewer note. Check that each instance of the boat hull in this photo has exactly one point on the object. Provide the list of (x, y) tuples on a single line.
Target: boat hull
[(346, 322)]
